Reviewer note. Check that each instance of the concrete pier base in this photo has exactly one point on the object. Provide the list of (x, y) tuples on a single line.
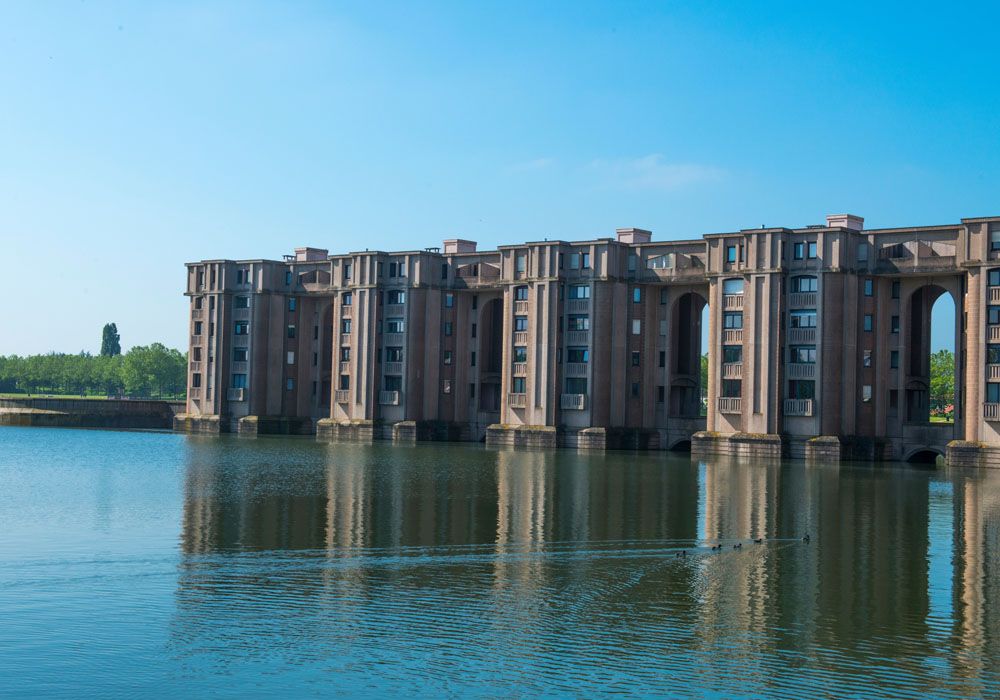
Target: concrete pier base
[(961, 453), (275, 425), (750, 445), (330, 430), (529, 436), (201, 424)]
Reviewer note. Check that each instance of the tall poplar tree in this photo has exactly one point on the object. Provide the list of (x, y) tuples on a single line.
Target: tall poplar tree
[(110, 341)]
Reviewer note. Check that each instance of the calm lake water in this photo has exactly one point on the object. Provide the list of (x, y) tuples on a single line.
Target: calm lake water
[(159, 564)]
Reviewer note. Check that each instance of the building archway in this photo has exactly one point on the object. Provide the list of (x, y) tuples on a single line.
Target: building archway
[(688, 319), (926, 393), (924, 455)]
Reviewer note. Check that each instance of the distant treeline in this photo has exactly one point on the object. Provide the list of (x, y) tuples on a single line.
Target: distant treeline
[(144, 371)]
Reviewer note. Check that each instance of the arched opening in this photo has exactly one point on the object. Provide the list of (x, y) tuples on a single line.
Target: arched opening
[(927, 456), (681, 446), (689, 368), (326, 361), (491, 354), (931, 387)]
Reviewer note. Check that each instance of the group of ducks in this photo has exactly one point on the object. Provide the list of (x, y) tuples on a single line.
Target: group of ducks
[(738, 545)]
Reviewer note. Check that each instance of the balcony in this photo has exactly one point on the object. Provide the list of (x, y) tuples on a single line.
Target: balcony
[(582, 306), (520, 337), (393, 339), (572, 402), (236, 395), (388, 398), (517, 400), (993, 373), (476, 275), (521, 308), (241, 341), (198, 314), (732, 370), (194, 392), (195, 366), (394, 367), (345, 338), (800, 370), (576, 369), (802, 299), (732, 302), (342, 396), (802, 335), (240, 367), (196, 339), (395, 309), (993, 334), (991, 412), (520, 369), (798, 407), (241, 314), (730, 404), (994, 295), (346, 311), (732, 336), (578, 337), (344, 367)]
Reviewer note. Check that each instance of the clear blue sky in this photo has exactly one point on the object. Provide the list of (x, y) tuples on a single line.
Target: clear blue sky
[(137, 136)]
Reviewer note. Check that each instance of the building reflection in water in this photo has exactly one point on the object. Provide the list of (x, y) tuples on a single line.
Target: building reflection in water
[(575, 545)]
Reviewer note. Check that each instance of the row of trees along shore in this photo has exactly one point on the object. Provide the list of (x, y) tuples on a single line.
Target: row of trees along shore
[(144, 371)]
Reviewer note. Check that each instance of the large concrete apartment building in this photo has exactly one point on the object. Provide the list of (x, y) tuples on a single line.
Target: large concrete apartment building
[(818, 342)]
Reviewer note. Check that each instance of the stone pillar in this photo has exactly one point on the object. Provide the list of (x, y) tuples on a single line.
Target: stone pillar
[(972, 406)]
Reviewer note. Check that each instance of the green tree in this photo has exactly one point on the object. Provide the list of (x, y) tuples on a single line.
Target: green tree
[(942, 379), (111, 341)]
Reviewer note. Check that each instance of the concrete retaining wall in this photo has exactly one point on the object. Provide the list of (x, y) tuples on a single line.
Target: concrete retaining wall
[(89, 413)]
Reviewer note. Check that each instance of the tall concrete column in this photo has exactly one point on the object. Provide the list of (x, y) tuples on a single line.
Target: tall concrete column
[(974, 336)]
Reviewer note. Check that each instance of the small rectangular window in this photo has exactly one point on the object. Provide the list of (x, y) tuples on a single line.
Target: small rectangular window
[(799, 251), (449, 300), (812, 250), (472, 359), (448, 327), (196, 380), (869, 323), (867, 358), (894, 359), (584, 261), (291, 303), (730, 254), (242, 328), (447, 357), (895, 289), (518, 385), (869, 288), (290, 357), (241, 302), (636, 295), (288, 277), (239, 381), (663, 358), (291, 331), (894, 324), (636, 357), (636, 326), (520, 323)]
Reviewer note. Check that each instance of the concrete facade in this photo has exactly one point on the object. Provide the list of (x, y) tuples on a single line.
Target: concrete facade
[(818, 342)]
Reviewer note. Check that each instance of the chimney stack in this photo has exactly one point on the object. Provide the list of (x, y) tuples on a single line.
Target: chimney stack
[(459, 245), (855, 223), (633, 235)]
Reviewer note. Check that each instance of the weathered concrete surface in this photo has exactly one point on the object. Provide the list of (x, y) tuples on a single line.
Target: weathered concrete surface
[(89, 413)]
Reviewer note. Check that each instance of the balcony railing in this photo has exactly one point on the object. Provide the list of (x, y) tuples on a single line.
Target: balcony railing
[(993, 373), (240, 367), (578, 337), (342, 396), (798, 407), (732, 370), (918, 254), (575, 306), (802, 299), (573, 402), (395, 309), (732, 336), (196, 366), (520, 369), (345, 338), (241, 341), (241, 314), (388, 398), (994, 295), (197, 314), (236, 395), (802, 335), (393, 339), (520, 337), (346, 311), (800, 370), (993, 333), (394, 367), (521, 307), (991, 411), (730, 404), (344, 367), (194, 392), (732, 302), (517, 400), (576, 369)]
